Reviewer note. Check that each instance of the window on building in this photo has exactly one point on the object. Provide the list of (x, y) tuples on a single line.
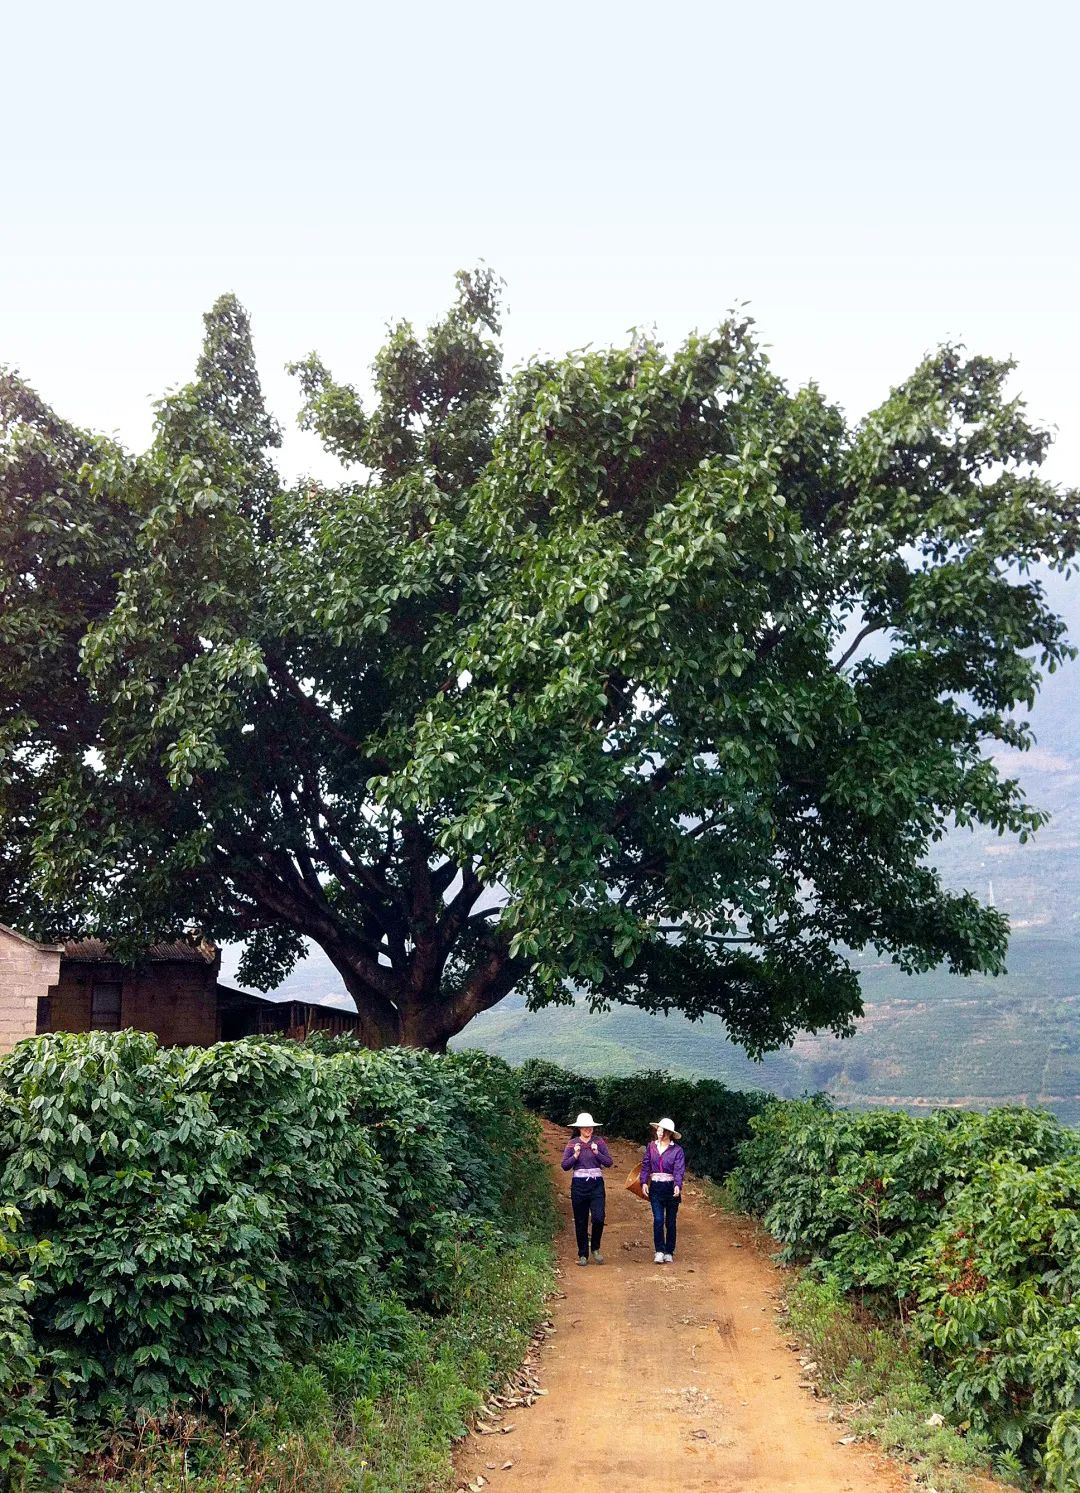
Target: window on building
[(44, 1014), (105, 1006)]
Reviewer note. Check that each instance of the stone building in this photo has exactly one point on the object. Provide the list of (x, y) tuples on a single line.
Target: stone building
[(173, 991), (27, 972)]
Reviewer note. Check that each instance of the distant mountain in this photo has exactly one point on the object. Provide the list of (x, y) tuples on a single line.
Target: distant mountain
[(933, 1039)]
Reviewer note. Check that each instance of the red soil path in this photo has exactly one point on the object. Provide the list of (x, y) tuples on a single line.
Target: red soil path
[(673, 1378)]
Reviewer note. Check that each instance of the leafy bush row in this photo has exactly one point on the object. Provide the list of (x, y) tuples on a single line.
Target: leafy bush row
[(181, 1222), (34, 1439), (375, 1410), (713, 1120), (967, 1226)]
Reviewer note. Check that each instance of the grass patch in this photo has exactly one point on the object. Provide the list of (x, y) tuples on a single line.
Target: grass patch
[(374, 1411), (875, 1372), (720, 1195)]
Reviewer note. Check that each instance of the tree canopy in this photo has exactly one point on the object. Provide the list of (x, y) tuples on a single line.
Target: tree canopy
[(632, 671)]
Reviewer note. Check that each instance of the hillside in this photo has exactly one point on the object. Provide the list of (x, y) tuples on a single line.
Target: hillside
[(932, 1039)]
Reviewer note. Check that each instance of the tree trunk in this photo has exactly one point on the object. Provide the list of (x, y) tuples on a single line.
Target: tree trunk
[(379, 1017), (393, 1012)]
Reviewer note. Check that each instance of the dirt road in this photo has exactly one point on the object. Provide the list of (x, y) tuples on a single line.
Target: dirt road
[(673, 1378)]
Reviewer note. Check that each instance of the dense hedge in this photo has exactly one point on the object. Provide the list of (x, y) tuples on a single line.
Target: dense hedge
[(182, 1221), (967, 1226), (36, 1441), (713, 1120)]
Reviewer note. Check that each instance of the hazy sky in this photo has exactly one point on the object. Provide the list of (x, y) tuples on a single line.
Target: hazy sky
[(872, 180)]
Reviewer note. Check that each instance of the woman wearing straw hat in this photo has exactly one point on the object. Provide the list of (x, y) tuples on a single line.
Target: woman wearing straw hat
[(585, 1154), (662, 1170)]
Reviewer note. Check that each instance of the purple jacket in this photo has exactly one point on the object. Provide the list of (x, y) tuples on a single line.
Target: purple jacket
[(588, 1158), (672, 1161)]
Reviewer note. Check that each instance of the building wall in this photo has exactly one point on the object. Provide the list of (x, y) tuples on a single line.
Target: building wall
[(69, 1004), (26, 972), (43, 989), (177, 1001)]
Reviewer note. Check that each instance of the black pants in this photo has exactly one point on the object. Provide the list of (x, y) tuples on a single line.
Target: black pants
[(665, 1207), (587, 1199)]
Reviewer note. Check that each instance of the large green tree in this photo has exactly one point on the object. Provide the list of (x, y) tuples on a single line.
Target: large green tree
[(634, 670)]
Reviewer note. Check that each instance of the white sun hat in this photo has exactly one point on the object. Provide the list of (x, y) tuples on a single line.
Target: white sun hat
[(666, 1124), (584, 1121)]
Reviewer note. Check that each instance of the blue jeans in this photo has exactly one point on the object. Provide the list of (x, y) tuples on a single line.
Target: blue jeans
[(664, 1205)]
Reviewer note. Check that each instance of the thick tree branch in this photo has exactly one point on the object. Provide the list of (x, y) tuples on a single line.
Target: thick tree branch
[(429, 951), (460, 906), (315, 712), (443, 875), (293, 904), (853, 647), (492, 979)]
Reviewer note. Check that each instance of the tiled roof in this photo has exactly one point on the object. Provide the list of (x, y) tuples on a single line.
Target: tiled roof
[(231, 996), (182, 951), (236, 998)]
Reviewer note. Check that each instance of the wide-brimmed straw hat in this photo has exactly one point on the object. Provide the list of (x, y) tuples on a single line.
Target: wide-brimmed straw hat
[(584, 1122), (666, 1124)]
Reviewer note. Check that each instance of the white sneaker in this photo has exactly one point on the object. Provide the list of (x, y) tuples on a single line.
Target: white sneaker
[(669, 1259), (658, 1258)]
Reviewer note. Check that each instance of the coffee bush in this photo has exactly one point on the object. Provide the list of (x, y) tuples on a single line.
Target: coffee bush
[(211, 1213), (36, 1443), (965, 1227)]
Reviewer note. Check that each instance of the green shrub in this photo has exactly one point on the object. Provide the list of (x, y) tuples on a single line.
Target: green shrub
[(373, 1409), (999, 1290), (876, 1368), (557, 1094), (713, 1120), (862, 1191), (967, 1226), (509, 1149), (207, 1208), (215, 1213), (37, 1445), (1061, 1462)]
